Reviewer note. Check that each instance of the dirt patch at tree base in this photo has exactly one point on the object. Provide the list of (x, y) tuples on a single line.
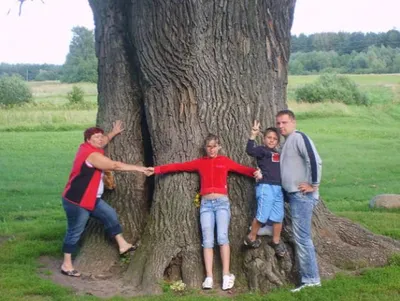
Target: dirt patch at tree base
[(104, 286)]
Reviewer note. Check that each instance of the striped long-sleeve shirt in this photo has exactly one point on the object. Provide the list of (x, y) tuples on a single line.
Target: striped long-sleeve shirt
[(300, 162)]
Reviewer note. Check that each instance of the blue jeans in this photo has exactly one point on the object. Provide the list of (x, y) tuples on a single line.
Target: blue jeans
[(77, 218), (301, 207), (215, 211)]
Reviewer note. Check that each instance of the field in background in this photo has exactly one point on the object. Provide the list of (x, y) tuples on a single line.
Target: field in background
[(50, 110), (380, 88), (55, 92), (359, 147)]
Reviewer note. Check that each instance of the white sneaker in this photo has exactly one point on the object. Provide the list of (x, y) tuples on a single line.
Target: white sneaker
[(264, 231), (208, 283), (228, 281), (304, 285)]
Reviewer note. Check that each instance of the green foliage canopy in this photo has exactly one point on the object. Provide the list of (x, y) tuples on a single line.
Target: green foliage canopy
[(31, 72), (376, 59), (81, 62), (344, 42)]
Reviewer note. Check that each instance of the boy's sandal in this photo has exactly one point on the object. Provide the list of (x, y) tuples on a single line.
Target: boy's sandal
[(280, 249), (252, 243)]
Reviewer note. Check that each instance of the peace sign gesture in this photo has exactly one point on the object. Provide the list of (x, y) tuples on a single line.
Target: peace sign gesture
[(255, 130)]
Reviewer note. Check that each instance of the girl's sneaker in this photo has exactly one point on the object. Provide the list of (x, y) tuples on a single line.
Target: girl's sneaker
[(208, 283), (228, 281)]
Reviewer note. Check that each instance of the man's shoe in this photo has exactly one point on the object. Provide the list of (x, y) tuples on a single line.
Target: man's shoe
[(228, 281), (208, 283), (304, 285)]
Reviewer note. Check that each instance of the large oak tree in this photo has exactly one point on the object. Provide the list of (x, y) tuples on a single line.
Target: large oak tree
[(175, 71)]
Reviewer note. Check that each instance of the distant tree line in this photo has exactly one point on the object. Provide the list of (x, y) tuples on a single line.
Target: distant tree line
[(80, 64), (341, 52), (344, 42), (375, 59), (32, 71), (345, 52)]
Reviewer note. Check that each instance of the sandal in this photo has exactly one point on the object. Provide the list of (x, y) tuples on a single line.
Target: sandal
[(131, 249), (71, 273), (280, 249), (252, 243)]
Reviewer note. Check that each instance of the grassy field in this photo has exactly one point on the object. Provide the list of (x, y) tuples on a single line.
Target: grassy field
[(55, 92), (380, 88), (359, 147), (50, 110)]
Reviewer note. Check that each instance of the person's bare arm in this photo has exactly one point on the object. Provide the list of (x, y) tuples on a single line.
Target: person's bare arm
[(102, 162), (117, 129)]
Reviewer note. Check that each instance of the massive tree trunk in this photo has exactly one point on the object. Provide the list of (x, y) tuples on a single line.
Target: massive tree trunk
[(120, 97), (175, 71)]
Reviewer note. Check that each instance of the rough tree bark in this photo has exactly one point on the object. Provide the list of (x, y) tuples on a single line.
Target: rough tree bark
[(120, 98), (175, 71)]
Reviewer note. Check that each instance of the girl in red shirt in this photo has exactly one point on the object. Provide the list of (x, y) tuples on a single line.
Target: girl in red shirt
[(215, 207)]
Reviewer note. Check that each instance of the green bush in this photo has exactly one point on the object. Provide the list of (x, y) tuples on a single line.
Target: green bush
[(14, 90), (332, 87), (76, 95)]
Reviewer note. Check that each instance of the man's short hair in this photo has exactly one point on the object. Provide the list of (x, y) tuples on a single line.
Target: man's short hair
[(286, 112)]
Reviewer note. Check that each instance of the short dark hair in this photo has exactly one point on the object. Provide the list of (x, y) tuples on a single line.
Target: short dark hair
[(90, 132), (275, 130), (286, 112)]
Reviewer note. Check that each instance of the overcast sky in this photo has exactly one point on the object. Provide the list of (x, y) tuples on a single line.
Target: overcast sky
[(43, 33)]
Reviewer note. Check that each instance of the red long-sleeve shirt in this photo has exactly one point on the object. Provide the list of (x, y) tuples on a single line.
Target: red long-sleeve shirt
[(213, 172)]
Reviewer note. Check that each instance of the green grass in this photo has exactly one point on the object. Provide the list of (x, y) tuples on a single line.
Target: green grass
[(359, 149), (358, 145), (47, 119), (55, 92), (50, 110)]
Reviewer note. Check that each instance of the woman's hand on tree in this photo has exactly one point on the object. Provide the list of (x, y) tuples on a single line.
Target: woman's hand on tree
[(118, 127)]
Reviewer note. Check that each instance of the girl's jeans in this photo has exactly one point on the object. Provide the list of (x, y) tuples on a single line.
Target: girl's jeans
[(215, 212)]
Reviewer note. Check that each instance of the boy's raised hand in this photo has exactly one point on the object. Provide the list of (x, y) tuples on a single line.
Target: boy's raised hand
[(255, 130)]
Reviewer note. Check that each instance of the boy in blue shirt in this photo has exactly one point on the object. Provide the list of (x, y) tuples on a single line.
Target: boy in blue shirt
[(270, 205)]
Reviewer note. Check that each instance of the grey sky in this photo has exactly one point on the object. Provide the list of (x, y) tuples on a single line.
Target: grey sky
[(43, 32)]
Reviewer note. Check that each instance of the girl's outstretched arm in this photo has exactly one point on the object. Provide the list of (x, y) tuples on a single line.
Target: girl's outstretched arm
[(175, 167), (242, 169)]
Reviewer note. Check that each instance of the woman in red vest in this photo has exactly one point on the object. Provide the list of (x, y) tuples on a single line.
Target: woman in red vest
[(82, 195)]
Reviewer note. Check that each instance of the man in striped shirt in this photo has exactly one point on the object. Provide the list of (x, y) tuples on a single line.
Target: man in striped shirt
[(301, 174)]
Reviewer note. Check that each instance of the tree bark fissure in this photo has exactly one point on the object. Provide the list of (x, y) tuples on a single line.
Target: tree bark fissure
[(175, 71), (119, 93)]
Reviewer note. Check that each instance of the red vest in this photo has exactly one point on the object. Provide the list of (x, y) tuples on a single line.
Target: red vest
[(83, 181)]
